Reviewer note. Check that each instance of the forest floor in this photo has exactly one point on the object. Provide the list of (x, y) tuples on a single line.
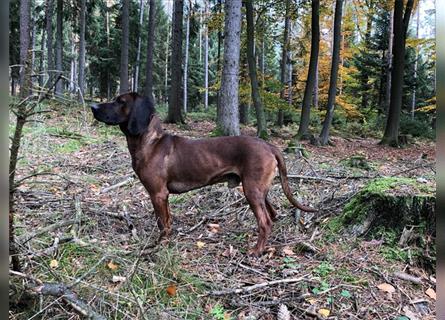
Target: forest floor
[(86, 221)]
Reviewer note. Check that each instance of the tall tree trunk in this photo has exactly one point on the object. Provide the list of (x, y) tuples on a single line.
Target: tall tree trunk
[(364, 76), (150, 46), (42, 59), (166, 65), (174, 101), (82, 50), (218, 58), (49, 41), (206, 55), (107, 27), (284, 63), (401, 20), (72, 84), (316, 96), (260, 116), (389, 63), (138, 52), (324, 135), (315, 43), (123, 73), (33, 48), (228, 115), (186, 59), (59, 46), (413, 98), (25, 82)]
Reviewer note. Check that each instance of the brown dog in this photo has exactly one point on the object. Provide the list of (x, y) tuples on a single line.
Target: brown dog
[(170, 164)]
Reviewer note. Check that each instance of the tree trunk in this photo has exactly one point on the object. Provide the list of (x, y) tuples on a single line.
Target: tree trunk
[(166, 65), (72, 85), (218, 58), (49, 41), (150, 45), (364, 76), (174, 101), (206, 56), (186, 59), (59, 47), (25, 82), (315, 42), (316, 97), (42, 59), (228, 115), (261, 118), (138, 52), (389, 63), (413, 98), (324, 135), (284, 63), (123, 73), (82, 50), (401, 20)]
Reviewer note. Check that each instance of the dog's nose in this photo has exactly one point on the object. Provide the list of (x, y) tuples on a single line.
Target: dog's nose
[(94, 106)]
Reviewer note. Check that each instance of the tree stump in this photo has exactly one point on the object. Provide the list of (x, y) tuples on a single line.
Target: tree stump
[(400, 211)]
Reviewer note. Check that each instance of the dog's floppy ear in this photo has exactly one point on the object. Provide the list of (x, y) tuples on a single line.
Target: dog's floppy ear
[(140, 115)]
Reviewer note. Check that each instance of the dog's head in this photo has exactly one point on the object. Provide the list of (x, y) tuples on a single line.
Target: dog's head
[(129, 110)]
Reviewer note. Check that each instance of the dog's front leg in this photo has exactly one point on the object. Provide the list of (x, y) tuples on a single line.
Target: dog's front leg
[(162, 212)]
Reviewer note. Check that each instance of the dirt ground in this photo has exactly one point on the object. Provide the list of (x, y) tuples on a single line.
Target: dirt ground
[(85, 220)]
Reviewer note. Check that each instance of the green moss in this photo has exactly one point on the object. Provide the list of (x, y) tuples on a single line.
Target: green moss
[(383, 185)]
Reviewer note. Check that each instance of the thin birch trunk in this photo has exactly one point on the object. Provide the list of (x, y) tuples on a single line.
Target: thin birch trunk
[(413, 99), (138, 52), (186, 59), (206, 55)]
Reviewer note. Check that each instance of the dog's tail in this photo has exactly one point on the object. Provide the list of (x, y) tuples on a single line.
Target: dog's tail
[(285, 184)]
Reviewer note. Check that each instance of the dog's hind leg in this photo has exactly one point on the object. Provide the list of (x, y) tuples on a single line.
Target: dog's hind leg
[(256, 199), (271, 210)]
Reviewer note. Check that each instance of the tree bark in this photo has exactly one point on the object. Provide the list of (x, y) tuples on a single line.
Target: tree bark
[(59, 46), (49, 40), (401, 20), (42, 59), (186, 58), (150, 45), (324, 135), (413, 98), (315, 43), (260, 116), (174, 101), (228, 115), (389, 63), (364, 76), (138, 52), (284, 63), (123, 74), (206, 55), (81, 79)]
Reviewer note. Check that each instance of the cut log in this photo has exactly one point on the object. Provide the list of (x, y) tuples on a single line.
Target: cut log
[(389, 204), (400, 211)]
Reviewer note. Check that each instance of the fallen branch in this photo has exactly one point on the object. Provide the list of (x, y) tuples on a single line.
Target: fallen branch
[(297, 176), (60, 290), (255, 286), (407, 277), (117, 185), (49, 228)]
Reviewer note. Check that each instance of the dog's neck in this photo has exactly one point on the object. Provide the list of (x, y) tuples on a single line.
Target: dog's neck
[(140, 145)]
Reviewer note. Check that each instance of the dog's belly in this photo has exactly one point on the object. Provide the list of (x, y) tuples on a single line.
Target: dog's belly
[(180, 186)]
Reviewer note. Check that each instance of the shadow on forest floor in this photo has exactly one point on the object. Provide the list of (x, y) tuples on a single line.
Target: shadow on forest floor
[(105, 247)]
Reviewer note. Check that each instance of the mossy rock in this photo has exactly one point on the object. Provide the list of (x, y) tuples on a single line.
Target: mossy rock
[(388, 205)]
